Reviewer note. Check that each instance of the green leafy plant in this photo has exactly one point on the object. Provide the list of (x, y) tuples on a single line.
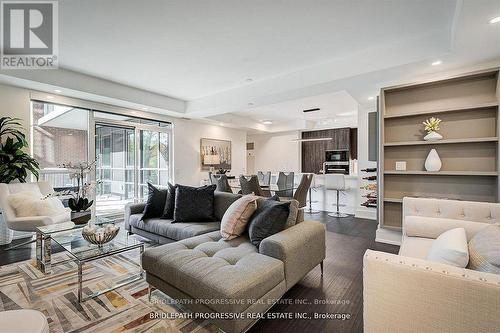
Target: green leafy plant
[(432, 124), (15, 163)]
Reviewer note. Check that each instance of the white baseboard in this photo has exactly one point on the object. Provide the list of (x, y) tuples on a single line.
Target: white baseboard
[(366, 213), (388, 236)]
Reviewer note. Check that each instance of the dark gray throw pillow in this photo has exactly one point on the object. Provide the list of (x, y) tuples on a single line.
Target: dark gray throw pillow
[(194, 204), (168, 212), (156, 202), (269, 219)]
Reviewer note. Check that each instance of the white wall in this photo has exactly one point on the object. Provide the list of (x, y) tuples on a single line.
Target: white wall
[(363, 163), (187, 135), (276, 151), (15, 102)]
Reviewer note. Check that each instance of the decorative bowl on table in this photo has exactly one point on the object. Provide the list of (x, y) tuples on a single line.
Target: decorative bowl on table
[(100, 235)]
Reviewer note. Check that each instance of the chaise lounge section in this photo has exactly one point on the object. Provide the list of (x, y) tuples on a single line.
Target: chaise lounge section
[(216, 276)]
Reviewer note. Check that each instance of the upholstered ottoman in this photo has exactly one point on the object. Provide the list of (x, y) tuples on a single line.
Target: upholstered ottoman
[(217, 276)]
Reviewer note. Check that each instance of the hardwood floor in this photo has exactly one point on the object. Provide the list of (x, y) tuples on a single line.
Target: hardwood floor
[(347, 239)]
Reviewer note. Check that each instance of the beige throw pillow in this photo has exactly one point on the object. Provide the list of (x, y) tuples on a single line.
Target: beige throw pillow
[(484, 250), (236, 217), (24, 203)]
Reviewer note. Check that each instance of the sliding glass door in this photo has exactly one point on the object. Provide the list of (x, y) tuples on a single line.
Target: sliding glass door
[(130, 153), (115, 168)]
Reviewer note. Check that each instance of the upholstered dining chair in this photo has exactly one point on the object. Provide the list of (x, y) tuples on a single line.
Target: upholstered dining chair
[(251, 186), (28, 223), (264, 178), (301, 193), (222, 183), (285, 184)]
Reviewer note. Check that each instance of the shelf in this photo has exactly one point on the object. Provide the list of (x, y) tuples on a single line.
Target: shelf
[(458, 108), (393, 200), (442, 173), (441, 142)]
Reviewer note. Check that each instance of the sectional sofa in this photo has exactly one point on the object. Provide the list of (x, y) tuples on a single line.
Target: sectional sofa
[(233, 282)]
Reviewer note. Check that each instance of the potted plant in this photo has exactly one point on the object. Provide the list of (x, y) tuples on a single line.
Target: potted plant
[(15, 163), (432, 126), (80, 203)]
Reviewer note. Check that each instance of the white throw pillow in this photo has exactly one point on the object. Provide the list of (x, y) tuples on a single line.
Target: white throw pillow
[(49, 207), (450, 248), (24, 203)]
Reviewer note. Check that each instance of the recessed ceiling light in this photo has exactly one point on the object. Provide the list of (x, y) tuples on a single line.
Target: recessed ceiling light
[(436, 63), (70, 134), (495, 20), (57, 91), (221, 124), (144, 108), (371, 98), (267, 122), (249, 79), (50, 97), (250, 104)]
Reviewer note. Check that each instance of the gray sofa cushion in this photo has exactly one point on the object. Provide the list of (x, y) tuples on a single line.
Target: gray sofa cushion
[(222, 201), (176, 231), (208, 267)]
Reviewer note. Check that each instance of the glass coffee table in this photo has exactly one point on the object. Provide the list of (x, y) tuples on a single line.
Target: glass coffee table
[(69, 237)]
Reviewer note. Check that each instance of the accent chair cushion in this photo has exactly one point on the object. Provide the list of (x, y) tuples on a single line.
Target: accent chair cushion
[(238, 214), (450, 248), (168, 211), (50, 207), (24, 203), (156, 202), (194, 204), (484, 250), (269, 219)]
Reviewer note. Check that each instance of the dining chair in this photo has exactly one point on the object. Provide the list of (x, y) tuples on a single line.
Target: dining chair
[(251, 186), (264, 178), (285, 184), (222, 183), (301, 193)]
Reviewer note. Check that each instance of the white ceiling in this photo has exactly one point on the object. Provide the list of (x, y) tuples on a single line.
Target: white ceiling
[(295, 52)]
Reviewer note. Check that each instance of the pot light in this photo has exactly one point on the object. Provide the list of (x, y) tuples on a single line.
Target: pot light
[(50, 97), (221, 124), (144, 108), (371, 98), (249, 79), (250, 104), (495, 20), (436, 63), (57, 91), (267, 122)]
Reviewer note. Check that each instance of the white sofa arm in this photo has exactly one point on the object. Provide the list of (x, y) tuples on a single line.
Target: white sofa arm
[(402, 294)]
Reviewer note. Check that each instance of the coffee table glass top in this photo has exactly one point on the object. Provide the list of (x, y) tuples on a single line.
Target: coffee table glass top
[(65, 226), (74, 243)]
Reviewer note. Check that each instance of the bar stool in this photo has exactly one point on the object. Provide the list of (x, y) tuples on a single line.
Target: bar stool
[(336, 182)]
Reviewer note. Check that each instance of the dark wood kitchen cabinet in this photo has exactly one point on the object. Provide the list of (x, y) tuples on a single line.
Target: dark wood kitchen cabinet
[(313, 152)]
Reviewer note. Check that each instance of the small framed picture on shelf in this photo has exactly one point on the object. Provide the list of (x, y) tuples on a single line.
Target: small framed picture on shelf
[(401, 166)]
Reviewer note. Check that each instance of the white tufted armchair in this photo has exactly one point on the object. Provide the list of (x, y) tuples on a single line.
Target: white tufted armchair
[(407, 293)]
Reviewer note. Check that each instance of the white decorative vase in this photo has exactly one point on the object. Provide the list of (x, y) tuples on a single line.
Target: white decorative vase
[(433, 162), (433, 136), (6, 234)]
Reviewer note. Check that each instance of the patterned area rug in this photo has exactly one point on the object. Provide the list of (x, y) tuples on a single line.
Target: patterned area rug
[(23, 286)]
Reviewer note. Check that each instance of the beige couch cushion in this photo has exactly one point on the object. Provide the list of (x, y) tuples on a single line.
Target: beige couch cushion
[(415, 247), (209, 267), (450, 248), (236, 217), (432, 227), (484, 250)]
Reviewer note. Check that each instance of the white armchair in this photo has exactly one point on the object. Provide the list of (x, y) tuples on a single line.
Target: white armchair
[(29, 223), (407, 293)]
